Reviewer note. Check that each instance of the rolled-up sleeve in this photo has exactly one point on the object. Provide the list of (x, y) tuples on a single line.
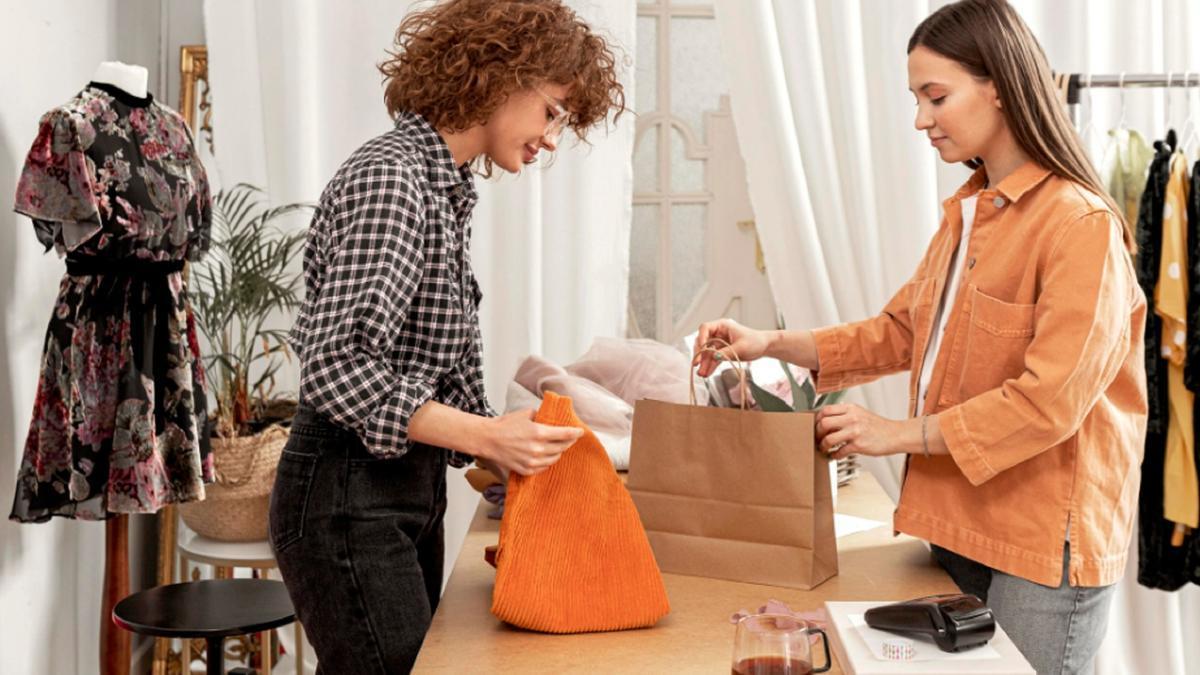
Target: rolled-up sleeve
[(1081, 337), (374, 271)]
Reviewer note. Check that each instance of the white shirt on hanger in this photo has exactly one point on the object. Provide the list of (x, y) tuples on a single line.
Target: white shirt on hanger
[(948, 296)]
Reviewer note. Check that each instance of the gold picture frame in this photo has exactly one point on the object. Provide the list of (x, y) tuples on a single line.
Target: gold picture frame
[(193, 101), (193, 91)]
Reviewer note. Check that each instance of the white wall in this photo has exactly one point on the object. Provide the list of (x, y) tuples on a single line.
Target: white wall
[(51, 574)]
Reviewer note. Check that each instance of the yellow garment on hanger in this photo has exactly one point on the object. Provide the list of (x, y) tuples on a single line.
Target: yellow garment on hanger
[(1181, 499)]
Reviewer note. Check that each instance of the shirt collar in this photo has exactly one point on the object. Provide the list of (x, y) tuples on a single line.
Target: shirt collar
[(443, 174), (1024, 179)]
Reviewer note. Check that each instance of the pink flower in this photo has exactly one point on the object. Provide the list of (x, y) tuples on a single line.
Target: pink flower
[(133, 216), (138, 119), (153, 150)]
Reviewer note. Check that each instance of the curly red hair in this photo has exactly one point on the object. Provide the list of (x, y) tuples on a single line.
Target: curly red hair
[(457, 61)]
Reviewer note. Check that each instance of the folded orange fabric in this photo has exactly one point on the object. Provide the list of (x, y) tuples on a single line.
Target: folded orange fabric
[(573, 556)]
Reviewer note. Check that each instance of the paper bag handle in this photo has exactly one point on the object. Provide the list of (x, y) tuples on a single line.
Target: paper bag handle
[(736, 364)]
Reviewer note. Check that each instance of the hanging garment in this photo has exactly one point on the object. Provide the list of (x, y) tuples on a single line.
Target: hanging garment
[(1191, 368), (1192, 564), (1124, 169), (113, 183), (1159, 564), (1181, 501), (573, 556)]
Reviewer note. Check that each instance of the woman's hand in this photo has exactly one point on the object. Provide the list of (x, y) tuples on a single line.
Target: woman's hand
[(844, 429), (745, 344), (514, 442)]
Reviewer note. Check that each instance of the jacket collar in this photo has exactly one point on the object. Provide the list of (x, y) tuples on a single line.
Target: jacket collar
[(1019, 182)]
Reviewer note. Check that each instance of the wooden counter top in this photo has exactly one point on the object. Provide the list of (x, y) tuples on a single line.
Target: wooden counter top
[(696, 637)]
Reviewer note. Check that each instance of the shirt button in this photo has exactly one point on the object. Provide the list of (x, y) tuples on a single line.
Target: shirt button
[(998, 202), (971, 263)]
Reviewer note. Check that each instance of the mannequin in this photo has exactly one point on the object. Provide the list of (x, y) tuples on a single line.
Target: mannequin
[(113, 184), (114, 642), (129, 78)]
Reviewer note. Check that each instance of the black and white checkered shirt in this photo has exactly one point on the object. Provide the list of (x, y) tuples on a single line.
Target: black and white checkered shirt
[(390, 319)]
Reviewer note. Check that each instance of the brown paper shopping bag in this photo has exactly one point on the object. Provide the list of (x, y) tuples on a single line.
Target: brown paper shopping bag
[(733, 494)]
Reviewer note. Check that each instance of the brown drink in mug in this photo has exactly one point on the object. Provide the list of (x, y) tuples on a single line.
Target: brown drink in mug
[(776, 644)]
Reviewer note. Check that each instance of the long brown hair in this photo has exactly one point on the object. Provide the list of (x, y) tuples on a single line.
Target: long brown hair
[(989, 39)]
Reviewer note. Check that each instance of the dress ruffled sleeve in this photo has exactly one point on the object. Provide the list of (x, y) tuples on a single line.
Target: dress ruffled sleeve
[(199, 228), (57, 187)]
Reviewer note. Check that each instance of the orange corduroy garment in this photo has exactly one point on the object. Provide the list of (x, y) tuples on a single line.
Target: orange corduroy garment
[(573, 556)]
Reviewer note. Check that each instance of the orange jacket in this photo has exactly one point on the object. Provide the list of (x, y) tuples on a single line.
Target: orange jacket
[(1039, 386)]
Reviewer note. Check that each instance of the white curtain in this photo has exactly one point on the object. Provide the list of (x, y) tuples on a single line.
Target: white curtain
[(847, 194), (295, 91), (841, 186)]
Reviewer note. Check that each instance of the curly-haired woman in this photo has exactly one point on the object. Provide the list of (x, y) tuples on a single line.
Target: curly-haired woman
[(391, 387)]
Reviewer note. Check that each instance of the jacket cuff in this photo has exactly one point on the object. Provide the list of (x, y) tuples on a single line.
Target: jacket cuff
[(831, 362), (967, 454)]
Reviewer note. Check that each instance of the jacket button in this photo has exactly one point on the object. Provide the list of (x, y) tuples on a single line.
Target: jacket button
[(998, 202)]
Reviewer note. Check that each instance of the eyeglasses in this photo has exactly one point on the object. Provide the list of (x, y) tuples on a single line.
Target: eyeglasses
[(556, 125)]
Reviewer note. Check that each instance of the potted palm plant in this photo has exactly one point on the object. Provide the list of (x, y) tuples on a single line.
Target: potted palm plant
[(243, 284)]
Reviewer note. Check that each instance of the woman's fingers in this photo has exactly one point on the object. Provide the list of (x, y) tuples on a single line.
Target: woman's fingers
[(557, 434), (842, 451), (700, 355), (836, 441), (836, 431), (827, 425), (833, 410), (708, 356), (701, 338)]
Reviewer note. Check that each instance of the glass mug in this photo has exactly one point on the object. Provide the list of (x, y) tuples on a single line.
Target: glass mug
[(776, 644)]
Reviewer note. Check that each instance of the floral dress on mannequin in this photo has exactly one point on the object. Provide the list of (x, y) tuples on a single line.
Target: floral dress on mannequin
[(114, 185)]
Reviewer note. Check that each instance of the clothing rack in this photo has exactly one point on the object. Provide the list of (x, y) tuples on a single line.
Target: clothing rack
[(1074, 82)]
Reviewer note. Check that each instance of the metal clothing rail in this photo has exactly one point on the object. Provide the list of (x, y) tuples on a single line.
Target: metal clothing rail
[(1074, 82)]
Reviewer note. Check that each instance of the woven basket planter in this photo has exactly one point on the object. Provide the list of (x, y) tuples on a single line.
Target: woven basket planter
[(235, 505)]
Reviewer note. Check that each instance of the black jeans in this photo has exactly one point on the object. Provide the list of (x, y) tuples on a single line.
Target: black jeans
[(359, 543)]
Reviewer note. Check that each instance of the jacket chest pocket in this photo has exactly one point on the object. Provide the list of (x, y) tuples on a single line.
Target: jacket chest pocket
[(998, 333)]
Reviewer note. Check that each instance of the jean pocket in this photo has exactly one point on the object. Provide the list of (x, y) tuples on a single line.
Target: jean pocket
[(291, 493)]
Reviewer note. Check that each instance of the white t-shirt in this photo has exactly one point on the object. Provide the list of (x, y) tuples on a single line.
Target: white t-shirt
[(948, 296)]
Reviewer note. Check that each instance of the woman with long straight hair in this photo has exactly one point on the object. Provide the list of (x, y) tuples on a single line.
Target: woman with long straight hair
[(1022, 328)]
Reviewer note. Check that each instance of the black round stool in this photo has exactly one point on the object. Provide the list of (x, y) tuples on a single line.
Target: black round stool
[(212, 609)]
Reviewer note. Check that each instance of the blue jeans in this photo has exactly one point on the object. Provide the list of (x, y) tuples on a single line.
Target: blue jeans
[(359, 543), (1058, 630)]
